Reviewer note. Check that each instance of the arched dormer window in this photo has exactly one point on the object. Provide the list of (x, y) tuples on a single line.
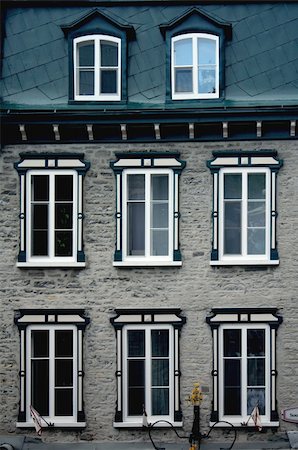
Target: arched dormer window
[(195, 66), (97, 68)]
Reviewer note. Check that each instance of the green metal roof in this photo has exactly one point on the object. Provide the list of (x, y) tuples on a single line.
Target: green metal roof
[(261, 59)]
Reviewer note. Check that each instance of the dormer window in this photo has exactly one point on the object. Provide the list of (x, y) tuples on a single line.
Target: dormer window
[(97, 68), (195, 66)]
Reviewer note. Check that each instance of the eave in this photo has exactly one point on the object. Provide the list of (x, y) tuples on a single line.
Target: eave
[(131, 2), (64, 126)]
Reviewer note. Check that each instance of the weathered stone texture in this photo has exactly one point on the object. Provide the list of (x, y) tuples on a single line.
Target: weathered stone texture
[(195, 287)]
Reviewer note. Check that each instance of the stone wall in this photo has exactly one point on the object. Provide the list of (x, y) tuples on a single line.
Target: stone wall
[(195, 287)]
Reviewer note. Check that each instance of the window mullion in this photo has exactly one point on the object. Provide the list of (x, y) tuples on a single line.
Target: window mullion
[(147, 214), (244, 373), (51, 230), (195, 65), (244, 208), (148, 371), (52, 373), (97, 67)]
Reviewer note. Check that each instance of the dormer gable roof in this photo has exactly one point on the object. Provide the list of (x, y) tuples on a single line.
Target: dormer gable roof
[(202, 16), (96, 18)]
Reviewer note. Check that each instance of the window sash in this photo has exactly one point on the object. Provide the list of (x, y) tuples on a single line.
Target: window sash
[(243, 416), (244, 255), (51, 229), (97, 69), (148, 359), (196, 67), (148, 214), (51, 361)]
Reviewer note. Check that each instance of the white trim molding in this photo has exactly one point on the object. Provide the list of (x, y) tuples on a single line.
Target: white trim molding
[(96, 68), (140, 325), (252, 200), (252, 334), (196, 66), (57, 225), (40, 331), (144, 167)]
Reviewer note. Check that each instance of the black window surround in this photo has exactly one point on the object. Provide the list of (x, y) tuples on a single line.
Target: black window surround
[(92, 24), (57, 324), (198, 22), (243, 319), (144, 320)]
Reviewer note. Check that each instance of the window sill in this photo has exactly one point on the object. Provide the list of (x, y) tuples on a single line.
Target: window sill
[(238, 424), (140, 425), (56, 425), (247, 262), (139, 263), (41, 264)]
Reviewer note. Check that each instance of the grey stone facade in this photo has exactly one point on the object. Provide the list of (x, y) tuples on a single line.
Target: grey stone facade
[(195, 287)]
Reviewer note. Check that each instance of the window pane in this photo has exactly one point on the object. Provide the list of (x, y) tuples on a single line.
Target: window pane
[(160, 372), (109, 54), (136, 373), (256, 372), (160, 187), (207, 81), (232, 216), (206, 51), (256, 241), (232, 386), (255, 342), (256, 214), (63, 372), (233, 186), (136, 387), (232, 342), (183, 53), (108, 81), (232, 373), (136, 229), (136, 342), (159, 215), (160, 342), (40, 343), (63, 187), (63, 402), (63, 243), (136, 400), (40, 217), (256, 396), (232, 401), (39, 243), (183, 80), (40, 187), (232, 227), (232, 242), (63, 343), (256, 185), (63, 215), (86, 53), (86, 82), (40, 386), (159, 242), (136, 187), (160, 401)]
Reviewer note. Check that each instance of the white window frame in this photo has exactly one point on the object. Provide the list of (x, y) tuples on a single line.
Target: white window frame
[(138, 420), (57, 420), (243, 418), (147, 258), (244, 257), (96, 38), (51, 258), (195, 94)]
